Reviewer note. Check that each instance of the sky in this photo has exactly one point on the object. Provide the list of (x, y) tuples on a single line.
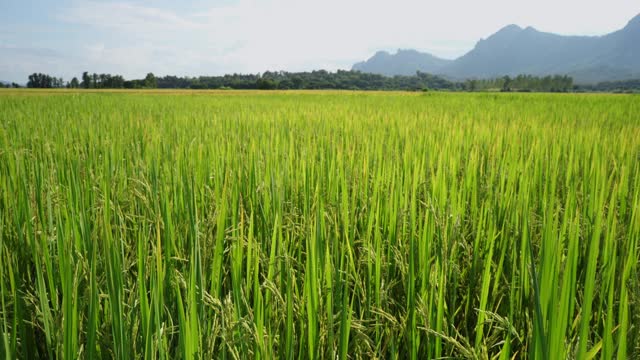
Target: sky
[(63, 38)]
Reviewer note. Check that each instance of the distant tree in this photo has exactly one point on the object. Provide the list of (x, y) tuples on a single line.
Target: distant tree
[(285, 84), (117, 82), (150, 81), (133, 84), (103, 81), (86, 80), (15, 85), (506, 85), (320, 79), (266, 84), (32, 83), (297, 82), (39, 80)]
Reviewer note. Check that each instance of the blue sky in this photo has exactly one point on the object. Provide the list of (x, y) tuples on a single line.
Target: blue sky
[(197, 37)]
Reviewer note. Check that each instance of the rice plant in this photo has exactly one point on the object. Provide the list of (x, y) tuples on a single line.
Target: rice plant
[(262, 225)]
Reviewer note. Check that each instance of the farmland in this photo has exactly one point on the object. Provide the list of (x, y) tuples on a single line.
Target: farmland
[(319, 225)]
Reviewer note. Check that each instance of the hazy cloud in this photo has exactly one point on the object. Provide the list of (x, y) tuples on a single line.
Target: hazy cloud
[(137, 36), (17, 63)]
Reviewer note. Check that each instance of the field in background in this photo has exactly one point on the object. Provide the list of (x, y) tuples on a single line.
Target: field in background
[(319, 225)]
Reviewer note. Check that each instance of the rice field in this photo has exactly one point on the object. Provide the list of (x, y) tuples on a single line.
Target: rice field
[(319, 225)]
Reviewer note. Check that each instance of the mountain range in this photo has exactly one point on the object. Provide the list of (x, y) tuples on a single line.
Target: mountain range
[(514, 50)]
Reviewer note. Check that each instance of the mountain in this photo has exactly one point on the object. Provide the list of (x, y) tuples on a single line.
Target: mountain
[(514, 50), (404, 62)]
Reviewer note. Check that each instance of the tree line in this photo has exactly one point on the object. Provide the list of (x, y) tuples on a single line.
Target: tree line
[(555, 83), (9, 85), (322, 79), (622, 86), (318, 79), (91, 81), (39, 80)]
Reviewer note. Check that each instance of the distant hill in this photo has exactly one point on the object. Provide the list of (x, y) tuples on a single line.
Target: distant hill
[(404, 62), (514, 50)]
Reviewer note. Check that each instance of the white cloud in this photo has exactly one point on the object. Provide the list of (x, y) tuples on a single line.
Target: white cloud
[(124, 16), (27, 60), (132, 38)]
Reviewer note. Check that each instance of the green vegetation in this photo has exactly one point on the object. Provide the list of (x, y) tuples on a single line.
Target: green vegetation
[(44, 81), (227, 224), (91, 81), (269, 80), (314, 80), (615, 86), (339, 80), (523, 83), (8, 85)]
